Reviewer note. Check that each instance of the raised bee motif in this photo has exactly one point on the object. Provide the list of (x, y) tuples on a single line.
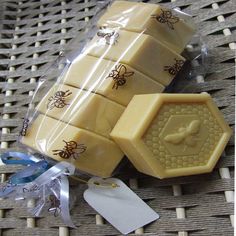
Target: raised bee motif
[(185, 135), (119, 75), (166, 17), (24, 127), (71, 149), (54, 205), (58, 99), (110, 36), (174, 69)]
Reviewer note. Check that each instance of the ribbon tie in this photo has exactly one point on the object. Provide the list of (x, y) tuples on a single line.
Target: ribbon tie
[(39, 179)]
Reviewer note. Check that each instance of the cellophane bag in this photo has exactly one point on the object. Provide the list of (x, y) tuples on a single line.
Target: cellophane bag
[(128, 49)]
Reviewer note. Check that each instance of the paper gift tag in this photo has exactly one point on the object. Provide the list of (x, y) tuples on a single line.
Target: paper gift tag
[(120, 206)]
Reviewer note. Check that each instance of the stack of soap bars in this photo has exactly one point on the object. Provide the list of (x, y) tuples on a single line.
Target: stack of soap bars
[(135, 51)]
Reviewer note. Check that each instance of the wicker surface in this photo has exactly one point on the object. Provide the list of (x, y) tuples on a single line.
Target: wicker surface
[(33, 32)]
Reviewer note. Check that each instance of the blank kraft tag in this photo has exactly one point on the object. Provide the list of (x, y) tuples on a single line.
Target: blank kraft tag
[(120, 206)]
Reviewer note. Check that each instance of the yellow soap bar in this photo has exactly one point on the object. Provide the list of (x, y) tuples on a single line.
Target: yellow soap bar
[(141, 52), (116, 81), (168, 135), (88, 151), (81, 108), (169, 27)]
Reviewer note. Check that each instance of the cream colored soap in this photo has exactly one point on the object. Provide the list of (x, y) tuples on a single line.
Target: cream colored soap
[(141, 52), (168, 135), (169, 27), (88, 151), (116, 81), (81, 108)]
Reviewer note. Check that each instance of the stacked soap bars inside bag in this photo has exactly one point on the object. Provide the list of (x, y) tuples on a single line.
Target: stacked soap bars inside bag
[(136, 50)]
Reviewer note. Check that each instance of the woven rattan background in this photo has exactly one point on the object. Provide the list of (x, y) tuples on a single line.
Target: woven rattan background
[(33, 32)]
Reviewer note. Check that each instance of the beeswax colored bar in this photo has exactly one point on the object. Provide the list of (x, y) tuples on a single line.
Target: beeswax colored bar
[(170, 27), (81, 108), (141, 52), (89, 152), (116, 81), (168, 135)]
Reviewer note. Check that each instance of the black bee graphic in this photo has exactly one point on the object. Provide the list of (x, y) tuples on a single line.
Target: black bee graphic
[(119, 75), (58, 99), (109, 36), (54, 205), (5, 186), (166, 17), (174, 69), (24, 127), (33, 188), (185, 134), (71, 149)]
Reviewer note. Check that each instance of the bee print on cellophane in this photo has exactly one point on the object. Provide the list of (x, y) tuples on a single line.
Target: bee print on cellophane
[(54, 205), (183, 135), (71, 149), (120, 75), (58, 100), (175, 68), (108, 36), (166, 17), (24, 128)]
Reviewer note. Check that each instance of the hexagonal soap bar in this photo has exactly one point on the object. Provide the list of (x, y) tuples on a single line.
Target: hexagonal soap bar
[(169, 135)]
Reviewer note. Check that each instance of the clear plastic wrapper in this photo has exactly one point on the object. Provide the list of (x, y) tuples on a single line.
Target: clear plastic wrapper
[(128, 49), (135, 48)]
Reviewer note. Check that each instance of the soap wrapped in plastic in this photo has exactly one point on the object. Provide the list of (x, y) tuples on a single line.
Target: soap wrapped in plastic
[(128, 49)]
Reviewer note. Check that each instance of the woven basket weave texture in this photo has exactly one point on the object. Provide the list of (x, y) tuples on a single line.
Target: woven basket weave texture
[(32, 34)]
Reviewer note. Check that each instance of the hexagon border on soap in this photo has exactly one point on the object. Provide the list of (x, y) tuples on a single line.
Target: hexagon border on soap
[(211, 162), (182, 134), (140, 154)]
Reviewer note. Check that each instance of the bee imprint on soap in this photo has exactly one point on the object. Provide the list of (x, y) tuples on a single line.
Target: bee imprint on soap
[(71, 149), (110, 36), (185, 135), (174, 69), (58, 100), (166, 17), (119, 76)]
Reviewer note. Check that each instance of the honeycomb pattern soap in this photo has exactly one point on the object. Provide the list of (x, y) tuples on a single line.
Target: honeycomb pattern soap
[(168, 135), (168, 26), (141, 52), (81, 108), (116, 81), (88, 151)]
